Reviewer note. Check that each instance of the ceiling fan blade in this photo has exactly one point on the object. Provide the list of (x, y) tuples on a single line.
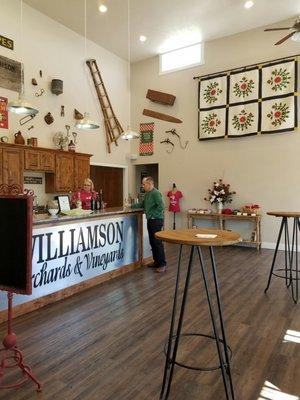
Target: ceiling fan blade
[(285, 38), (277, 29)]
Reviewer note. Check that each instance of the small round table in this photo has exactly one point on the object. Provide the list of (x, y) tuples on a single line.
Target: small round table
[(208, 238), (290, 272)]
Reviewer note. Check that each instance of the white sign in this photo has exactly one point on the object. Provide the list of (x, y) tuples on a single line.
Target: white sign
[(66, 255)]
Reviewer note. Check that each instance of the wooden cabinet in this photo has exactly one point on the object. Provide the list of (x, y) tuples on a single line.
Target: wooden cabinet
[(36, 160), (81, 170), (47, 161), (12, 168), (64, 171)]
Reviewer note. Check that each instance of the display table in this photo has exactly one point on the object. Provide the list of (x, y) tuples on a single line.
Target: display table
[(188, 237), (223, 218), (70, 254), (290, 272)]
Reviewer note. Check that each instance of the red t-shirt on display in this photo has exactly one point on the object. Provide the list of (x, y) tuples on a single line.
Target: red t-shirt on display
[(174, 200)]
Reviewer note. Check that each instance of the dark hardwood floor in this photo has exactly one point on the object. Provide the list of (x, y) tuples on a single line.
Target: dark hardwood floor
[(106, 343)]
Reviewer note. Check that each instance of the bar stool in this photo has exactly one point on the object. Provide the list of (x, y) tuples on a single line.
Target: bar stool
[(291, 269), (209, 238)]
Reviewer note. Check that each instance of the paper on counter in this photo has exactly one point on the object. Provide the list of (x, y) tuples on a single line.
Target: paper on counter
[(205, 236)]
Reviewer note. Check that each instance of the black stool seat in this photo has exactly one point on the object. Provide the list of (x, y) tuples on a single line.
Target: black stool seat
[(196, 238), (290, 272)]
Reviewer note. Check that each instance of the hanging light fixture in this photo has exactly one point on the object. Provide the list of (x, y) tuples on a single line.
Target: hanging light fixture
[(21, 106), (86, 123), (129, 134)]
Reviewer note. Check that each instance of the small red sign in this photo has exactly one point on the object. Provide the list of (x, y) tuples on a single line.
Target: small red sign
[(3, 113)]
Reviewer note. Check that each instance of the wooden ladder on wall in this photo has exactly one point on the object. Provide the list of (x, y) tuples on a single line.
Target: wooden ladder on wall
[(113, 128)]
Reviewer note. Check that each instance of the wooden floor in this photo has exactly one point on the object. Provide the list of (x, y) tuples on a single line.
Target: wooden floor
[(106, 343)]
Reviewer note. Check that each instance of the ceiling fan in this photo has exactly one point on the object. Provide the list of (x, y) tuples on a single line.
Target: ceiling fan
[(296, 32)]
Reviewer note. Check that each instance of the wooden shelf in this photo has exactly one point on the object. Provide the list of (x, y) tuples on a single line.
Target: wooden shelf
[(222, 218)]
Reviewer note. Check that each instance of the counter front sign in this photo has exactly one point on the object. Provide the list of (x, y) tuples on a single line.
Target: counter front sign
[(66, 255)]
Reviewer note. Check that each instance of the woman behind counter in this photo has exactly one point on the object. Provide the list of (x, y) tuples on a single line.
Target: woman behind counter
[(84, 195)]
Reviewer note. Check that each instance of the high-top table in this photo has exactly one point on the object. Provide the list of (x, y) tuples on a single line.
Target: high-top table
[(188, 237), (290, 273)]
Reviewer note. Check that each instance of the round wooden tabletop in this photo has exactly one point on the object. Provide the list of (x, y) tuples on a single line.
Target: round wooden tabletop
[(288, 214), (188, 236)]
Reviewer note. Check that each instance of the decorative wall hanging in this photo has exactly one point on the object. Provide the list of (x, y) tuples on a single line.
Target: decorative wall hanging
[(77, 115), (48, 118), (10, 74), (146, 139), (163, 117), (168, 141), (160, 97), (173, 132), (57, 86), (39, 93), (249, 100), (3, 113)]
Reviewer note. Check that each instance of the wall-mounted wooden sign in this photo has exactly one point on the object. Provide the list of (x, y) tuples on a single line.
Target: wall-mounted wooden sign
[(33, 180), (5, 42), (10, 74)]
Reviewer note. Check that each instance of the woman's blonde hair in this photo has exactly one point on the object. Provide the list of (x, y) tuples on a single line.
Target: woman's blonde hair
[(89, 181)]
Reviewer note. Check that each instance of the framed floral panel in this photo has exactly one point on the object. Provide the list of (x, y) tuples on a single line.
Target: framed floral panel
[(279, 114), (213, 92), (243, 119), (213, 123), (279, 79), (244, 86)]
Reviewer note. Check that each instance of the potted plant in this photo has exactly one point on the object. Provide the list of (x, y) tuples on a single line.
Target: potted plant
[(220, 194)]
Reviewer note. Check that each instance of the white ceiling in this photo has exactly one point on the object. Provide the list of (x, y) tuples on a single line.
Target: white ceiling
[(168, 24)]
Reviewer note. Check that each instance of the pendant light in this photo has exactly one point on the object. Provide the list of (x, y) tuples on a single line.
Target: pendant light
[(129, 134), (86, 123), (21, 106)]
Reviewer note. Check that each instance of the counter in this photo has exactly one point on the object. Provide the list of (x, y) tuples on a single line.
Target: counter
[(70, 254)]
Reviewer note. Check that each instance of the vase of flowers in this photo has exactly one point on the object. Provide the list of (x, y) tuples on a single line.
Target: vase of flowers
[(220, 194)]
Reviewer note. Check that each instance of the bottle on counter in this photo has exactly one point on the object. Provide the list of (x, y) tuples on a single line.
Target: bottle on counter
[(78, 201), (99, 200), (93, 204)]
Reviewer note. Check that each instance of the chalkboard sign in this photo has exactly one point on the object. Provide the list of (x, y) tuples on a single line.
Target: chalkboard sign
[(15, 243)]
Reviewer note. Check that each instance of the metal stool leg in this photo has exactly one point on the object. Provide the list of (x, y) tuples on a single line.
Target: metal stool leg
[(167, 364), (283, 222), (180, 321), (295, 244), (228, 369), (288, 253), (215, 328)]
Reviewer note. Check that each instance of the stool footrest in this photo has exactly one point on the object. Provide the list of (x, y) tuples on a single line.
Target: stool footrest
[(180, 364)]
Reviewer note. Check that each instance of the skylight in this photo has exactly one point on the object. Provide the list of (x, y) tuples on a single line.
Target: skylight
[(186, 57)]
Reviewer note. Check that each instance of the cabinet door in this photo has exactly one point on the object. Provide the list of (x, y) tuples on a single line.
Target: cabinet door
[(81, 170), (12, 166), (32, 160), (47, 161), (64, 173), (1, 167)]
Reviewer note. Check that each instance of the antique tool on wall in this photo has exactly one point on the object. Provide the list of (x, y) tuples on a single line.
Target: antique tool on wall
[(57, 86), (295, 27), (62, 111), (39, 93), (173, 132), (34, 82), (48, 118), (31, 127), (26, 119), (113, 127), (163, 117), (77, 114), (74, 134), (168, 141), (160, 97)]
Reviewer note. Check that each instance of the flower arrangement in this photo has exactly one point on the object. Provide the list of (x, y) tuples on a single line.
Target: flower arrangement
[(220, 193)]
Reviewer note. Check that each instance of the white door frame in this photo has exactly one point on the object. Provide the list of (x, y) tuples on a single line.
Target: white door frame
[(125, 174)]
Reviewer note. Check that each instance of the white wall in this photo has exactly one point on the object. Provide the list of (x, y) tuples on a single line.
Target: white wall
[(59, 52), (262, 169)]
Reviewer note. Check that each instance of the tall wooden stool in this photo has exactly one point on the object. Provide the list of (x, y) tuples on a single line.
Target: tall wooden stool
[(290, 272), (209, 238)]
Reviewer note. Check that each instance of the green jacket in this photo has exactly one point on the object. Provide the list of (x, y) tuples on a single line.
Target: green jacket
[(152, 204)]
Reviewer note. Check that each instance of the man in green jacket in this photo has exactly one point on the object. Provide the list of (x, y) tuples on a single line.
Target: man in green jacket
[(153, 206)]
